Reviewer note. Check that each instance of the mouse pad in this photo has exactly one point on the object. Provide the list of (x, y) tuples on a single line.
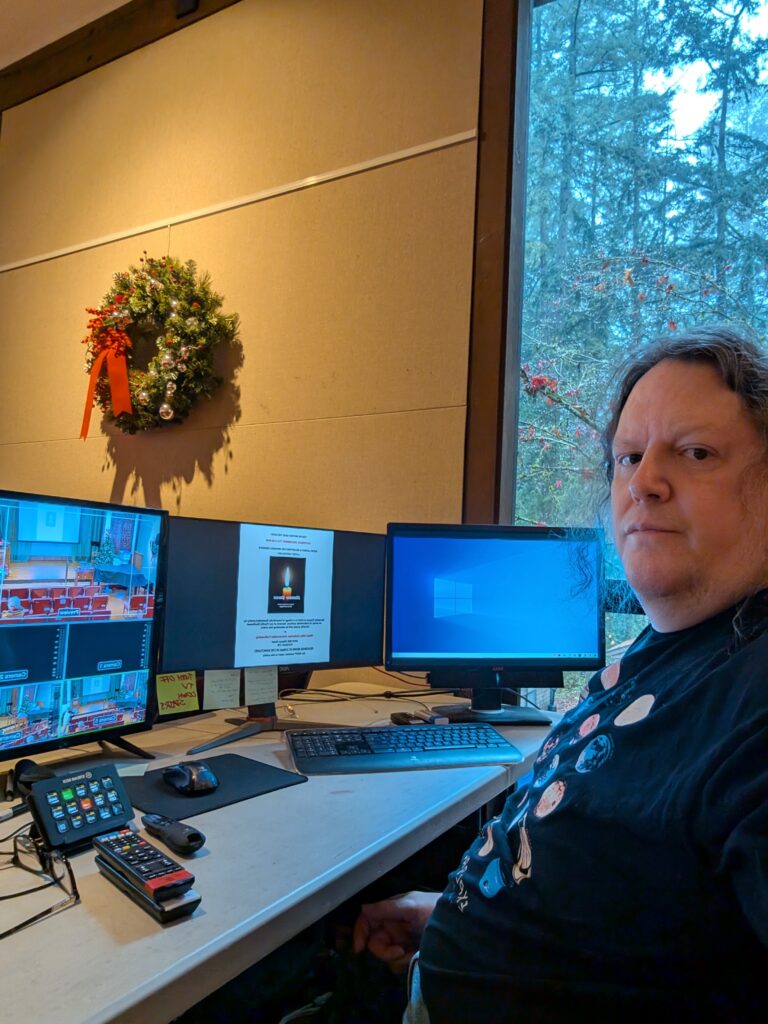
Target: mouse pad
[(240, 778)]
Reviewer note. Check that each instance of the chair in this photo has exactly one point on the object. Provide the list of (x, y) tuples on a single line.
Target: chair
[(58, 591), (100, 607), (41, 606), (92, 591), (83, 603), (21, 592), (39, 592)]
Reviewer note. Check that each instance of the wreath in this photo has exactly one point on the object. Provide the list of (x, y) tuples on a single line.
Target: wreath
[(155, 333)]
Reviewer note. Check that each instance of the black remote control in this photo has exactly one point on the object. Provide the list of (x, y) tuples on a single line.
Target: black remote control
[(143, 865), (169, 910), (179, 837)]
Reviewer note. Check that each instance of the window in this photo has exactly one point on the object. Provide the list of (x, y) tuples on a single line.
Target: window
[(646, 212)]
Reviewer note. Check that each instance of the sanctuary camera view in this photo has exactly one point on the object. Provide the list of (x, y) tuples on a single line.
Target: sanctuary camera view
[(77, 604)]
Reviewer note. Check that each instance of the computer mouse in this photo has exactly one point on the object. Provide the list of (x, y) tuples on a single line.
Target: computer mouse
[(190, 777)]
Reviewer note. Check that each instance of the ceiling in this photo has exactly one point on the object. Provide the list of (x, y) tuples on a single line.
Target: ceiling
[(28, 25)]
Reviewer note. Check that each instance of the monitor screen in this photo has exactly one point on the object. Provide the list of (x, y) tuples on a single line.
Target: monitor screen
[(250, 594), (493, 596), (81, 586)]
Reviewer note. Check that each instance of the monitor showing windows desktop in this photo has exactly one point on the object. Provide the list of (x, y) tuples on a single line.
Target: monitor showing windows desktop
[(492, 607), (250, 594), (81, 586)]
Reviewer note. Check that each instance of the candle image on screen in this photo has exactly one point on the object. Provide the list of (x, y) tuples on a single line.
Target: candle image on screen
[(286, 584)]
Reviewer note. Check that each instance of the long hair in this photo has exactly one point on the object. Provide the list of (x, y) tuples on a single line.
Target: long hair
[(741, 364)]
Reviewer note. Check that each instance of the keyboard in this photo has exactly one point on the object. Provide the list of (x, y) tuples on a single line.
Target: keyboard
[(398, 747)]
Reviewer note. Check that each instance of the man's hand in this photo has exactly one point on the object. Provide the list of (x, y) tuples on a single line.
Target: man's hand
[(392, 928)]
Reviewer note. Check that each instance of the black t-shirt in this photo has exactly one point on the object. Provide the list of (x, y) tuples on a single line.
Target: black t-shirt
[(631, 875)]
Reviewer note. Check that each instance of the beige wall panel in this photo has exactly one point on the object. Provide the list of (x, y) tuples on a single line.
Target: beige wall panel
[(43, 322), (355, 473), (256, 96), (354, 296)]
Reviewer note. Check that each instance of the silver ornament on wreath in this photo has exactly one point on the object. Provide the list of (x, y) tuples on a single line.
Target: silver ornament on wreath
[(165, 412)]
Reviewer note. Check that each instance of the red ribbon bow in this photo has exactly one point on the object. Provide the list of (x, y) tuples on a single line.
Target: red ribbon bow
[(113, 354)]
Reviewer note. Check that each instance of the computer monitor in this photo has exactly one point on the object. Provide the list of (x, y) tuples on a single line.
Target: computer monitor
[(489, 607), (81, 587), (249, 594)]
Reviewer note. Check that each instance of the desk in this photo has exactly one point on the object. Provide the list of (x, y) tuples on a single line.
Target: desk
[(271, 867)]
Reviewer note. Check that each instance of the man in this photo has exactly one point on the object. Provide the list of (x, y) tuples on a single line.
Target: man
[(630, 878)]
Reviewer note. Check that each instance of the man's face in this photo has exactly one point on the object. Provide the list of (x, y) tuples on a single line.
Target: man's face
[(688, 496)]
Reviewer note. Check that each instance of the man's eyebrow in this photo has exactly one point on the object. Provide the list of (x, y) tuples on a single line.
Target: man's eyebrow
[(627, 441)]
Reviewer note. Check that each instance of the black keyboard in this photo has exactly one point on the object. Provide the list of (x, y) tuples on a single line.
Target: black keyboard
[(398, 747)]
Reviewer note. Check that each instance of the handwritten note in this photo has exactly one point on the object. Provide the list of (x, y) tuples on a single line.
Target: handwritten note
[(176, 691), (261, 685), (221, 688)]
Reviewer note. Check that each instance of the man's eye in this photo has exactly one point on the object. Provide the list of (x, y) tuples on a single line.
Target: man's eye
[(697, 453), (628, 458)]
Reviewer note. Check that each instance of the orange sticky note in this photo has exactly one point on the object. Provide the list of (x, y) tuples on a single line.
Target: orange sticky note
[(176, 691)]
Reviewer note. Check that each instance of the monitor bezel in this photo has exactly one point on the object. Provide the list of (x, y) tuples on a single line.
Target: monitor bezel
[(304, 666), (537, 533), (112, 732)]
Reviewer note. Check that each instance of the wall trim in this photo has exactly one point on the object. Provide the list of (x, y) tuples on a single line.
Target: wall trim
[(312, 181), (120, 32)]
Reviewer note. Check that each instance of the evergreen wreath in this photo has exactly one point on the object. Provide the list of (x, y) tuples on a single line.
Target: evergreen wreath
[(156, 332)]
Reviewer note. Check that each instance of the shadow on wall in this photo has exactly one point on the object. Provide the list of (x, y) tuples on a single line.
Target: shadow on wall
[(175, 454)]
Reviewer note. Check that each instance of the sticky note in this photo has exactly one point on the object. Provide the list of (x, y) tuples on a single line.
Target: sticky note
[(261, 685), (221, 688), (176, 691)]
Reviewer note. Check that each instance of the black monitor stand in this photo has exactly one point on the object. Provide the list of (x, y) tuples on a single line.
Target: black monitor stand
[(123, 744), (488, 686), (259, 717)]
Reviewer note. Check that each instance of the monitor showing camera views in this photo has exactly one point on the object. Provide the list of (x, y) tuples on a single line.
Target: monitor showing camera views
[(79, 598), (250, 594)]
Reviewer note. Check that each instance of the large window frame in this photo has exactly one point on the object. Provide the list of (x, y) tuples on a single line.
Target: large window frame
[(495, 335)]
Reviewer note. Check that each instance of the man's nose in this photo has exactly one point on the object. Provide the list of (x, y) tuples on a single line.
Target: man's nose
[(649, 480)]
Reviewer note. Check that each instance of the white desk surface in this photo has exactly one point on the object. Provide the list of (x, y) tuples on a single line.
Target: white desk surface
[(271, 866)]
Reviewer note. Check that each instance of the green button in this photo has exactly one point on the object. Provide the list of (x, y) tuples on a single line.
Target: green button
[(68, 794)]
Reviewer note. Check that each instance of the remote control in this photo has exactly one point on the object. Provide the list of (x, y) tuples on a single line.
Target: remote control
[(143, 865), (169, 910), (179, 837)]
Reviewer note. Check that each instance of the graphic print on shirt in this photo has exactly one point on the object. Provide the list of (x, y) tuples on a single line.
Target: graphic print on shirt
[(546, 773), (550, 799), (596, 753), (502, 857), (636, 711)]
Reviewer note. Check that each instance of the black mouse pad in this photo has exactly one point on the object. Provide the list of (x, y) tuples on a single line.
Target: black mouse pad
[(240, 778)]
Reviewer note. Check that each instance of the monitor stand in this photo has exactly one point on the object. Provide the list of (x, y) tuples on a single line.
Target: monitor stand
[(488, 687), (259, 717), (124, 744)]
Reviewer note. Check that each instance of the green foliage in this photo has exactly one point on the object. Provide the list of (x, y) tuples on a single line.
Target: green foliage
[(633, 228)]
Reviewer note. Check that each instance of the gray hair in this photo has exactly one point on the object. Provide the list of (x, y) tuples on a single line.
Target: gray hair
[(740, 362)]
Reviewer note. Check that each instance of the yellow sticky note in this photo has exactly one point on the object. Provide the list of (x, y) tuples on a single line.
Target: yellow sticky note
[(221, 688), (176, 691)]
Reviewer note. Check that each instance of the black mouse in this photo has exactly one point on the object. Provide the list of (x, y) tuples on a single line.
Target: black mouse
[(190, 777)]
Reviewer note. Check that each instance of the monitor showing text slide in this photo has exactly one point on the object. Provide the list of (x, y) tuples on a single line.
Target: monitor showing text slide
[(284, 585), (505, 601)]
